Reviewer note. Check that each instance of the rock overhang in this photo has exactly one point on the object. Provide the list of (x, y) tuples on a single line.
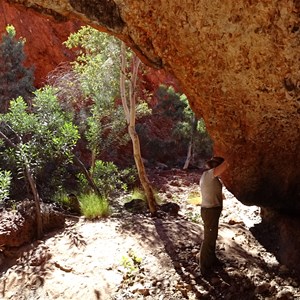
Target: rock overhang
[(238, 63)]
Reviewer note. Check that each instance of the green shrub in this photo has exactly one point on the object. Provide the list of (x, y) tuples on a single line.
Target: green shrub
[(186, 128), (108, 178), (5, 181), (93, 206), (61, 197), (139, 194), (131, 264), (129, 177), (68, 201), (42, 139)]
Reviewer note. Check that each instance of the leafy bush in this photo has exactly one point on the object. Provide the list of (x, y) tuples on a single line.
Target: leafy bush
[(170, 103), (68, 201), (62, 198), (5, 181), (108, 178), (93, 206), (139, 194), (129, 176), (56, 179), (41, 139)]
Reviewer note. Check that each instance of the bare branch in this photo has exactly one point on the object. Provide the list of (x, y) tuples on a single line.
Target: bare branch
[(6, 139), (122, 82)]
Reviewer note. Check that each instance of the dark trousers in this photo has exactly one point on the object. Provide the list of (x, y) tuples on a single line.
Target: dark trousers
[(210, 217)]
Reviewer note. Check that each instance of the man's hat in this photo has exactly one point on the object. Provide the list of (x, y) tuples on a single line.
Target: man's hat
[(214, 161), (217, 159)]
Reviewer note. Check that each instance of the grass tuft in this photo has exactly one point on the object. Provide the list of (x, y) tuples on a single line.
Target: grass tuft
[(138, 193), (93, 206)]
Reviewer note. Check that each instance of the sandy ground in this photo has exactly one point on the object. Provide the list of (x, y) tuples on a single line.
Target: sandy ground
[(136, 256)]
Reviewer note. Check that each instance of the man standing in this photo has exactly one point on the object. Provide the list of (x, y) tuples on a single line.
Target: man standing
[(211, 207)]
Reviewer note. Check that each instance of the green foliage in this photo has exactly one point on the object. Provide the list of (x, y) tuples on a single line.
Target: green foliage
[(91, 42), (108, 178), (98, 68), (56, 131), (176, 107), (5, 182), (131, 264), (46, 133), (171, 104), (61, 197), (194, 217), (39, 137), (93, 206), (15, 79), (11, 31), (128, 176), (203, 144), (138, 193), (67, 201), (142, 109)]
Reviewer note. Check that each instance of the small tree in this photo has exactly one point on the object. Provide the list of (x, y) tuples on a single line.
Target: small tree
[(15, 79), (128, 97), (33, 139), (98, 68)]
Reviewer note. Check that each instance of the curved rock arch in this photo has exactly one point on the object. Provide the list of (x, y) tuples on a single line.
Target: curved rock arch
[(239, 64)]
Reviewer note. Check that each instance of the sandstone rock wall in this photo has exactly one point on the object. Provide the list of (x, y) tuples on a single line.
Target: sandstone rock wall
[(238, 62), (44, 37)]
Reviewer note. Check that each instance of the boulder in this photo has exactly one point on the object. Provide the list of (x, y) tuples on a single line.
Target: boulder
[(18, 227)]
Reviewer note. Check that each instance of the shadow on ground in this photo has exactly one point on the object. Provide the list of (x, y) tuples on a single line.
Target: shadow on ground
[(245, 269)]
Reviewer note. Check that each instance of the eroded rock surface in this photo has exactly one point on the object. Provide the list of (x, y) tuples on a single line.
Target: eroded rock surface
[(238, 63), (18, 227)]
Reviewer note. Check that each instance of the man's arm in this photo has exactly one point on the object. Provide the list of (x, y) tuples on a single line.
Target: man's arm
[(221, 168)]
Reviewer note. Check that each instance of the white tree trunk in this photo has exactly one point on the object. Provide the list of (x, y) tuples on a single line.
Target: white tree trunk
[(130, 114)]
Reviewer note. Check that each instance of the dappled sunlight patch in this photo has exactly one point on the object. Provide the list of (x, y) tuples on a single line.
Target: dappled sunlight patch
[(136, 256), (194, 198)]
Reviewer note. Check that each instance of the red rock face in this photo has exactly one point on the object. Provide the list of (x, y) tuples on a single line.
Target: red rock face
[(238, 63), (44, 38)]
